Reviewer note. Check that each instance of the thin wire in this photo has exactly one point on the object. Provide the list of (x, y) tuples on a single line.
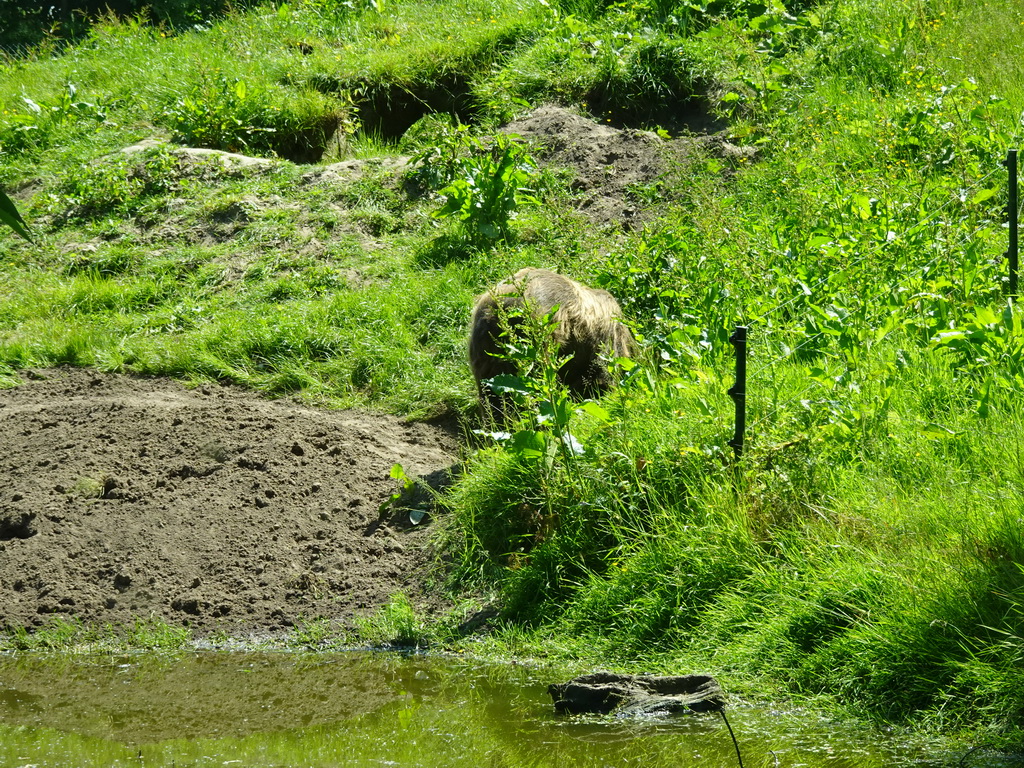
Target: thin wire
[(931, 264), (879, 246), (812, 339), (735, 743)]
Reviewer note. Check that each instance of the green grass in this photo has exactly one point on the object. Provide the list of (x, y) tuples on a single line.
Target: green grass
[(68, 635), (867, 547)]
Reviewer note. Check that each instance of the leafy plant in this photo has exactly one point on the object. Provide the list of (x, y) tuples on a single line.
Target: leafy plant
[(222, 114), (989, 347), (539, 396), (683, 302), (32, 126), (440, 145), (10, 217), (405, 494), (485, 180)]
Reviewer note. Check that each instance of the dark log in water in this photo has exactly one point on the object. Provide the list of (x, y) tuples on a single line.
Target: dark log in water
[(603, 692)]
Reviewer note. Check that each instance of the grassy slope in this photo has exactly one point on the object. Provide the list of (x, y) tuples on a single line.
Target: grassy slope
[(868, 547)]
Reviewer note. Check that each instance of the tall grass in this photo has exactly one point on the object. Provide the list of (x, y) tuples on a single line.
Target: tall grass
[(868, 546)]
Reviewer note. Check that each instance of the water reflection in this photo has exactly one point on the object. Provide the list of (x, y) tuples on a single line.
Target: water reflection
[(367, 709), (142, 699)]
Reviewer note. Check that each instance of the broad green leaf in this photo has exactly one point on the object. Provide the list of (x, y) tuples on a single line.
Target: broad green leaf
[(507, 384), (985, 316), (983, 195), (529, 443), (9, 215), (593, 409), (948, 337)]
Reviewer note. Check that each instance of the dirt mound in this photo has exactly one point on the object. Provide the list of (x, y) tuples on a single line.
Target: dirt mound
[(614, 170), (209, 507)]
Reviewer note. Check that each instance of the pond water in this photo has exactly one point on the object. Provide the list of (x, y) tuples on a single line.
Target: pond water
[(374, 709)]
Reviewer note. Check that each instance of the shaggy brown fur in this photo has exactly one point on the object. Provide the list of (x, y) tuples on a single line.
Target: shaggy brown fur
[(588, 326)]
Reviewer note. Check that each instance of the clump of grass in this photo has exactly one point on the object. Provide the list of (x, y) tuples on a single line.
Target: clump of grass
[(60, 634), (410, 45), (236, 116), (396, 624), (320, 634), (615, 67), (153, 634), (93, 487)]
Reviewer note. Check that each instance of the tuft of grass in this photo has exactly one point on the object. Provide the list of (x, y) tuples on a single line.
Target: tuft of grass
[(616, 67), (396, 624), (320, 635), (153, 634)]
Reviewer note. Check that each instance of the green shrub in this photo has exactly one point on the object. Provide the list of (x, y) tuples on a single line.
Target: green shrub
[(237, 115), (484, 180)]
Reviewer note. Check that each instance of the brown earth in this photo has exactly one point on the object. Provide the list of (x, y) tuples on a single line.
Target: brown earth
[(611, 167), (211, 507)]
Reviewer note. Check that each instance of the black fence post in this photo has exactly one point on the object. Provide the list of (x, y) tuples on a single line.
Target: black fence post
[(738, 391), (1012, 251)]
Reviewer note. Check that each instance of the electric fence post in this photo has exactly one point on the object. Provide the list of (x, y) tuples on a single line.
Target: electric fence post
[(1011, 204), (738, 391)]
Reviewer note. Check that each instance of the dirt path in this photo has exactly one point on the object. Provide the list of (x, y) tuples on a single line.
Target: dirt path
[(126, 497)]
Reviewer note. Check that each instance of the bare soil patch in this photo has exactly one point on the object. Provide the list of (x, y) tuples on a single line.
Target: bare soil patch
[(614, 168), (211, 507)]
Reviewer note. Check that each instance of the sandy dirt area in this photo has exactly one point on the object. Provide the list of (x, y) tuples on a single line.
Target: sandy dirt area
[(210, 507)]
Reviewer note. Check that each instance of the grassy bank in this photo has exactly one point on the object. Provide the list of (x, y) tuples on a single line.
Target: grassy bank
[(868, 545)]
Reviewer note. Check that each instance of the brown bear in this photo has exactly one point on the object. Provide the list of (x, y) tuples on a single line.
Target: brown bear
[(587, 328)]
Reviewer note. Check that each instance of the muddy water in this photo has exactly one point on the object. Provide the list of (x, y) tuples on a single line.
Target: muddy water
[(373, 709)]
